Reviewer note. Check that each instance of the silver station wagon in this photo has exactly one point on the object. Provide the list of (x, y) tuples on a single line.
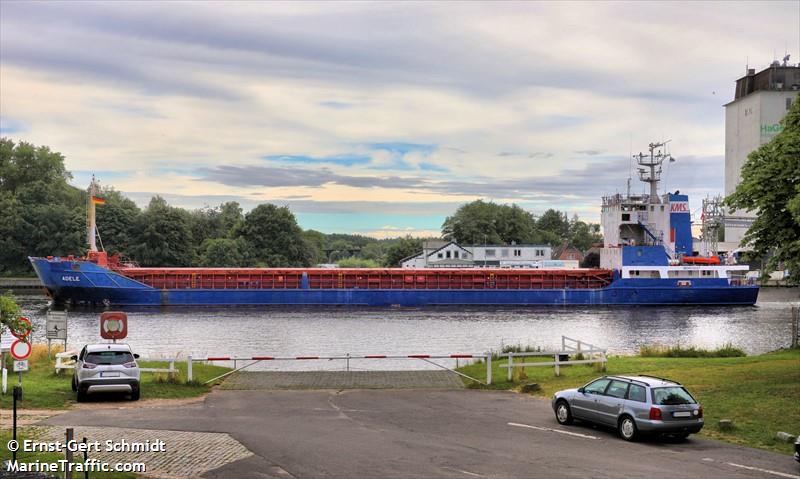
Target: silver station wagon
[(633, 404)]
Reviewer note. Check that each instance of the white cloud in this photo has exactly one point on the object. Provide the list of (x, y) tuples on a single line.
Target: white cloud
[(503, 92)]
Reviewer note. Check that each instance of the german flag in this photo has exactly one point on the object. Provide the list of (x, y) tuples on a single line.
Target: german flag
[(98, 201)]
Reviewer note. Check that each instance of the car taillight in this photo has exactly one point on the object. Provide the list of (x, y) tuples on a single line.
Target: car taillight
[(131, 364), (700, 412), (655, 414), (89, 366)]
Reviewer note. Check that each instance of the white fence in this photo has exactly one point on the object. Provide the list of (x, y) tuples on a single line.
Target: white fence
[(569, 347), (64, 361)]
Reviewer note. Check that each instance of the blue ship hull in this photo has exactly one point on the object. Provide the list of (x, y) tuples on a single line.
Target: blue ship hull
[(85, 282)]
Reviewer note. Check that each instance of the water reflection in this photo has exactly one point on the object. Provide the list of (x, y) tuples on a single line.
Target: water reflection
[(337, 331)]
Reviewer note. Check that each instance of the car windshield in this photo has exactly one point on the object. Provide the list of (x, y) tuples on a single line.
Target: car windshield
[(671, 396), (107, 358)]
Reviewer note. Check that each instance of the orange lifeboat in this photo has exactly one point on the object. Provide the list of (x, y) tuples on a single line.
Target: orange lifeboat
[(700, 260)]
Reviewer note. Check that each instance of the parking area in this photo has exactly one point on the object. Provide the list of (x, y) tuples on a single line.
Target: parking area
[(426, 433)]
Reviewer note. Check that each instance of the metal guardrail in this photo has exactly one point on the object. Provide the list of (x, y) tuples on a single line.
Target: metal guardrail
[(423, 357), (596, 355)]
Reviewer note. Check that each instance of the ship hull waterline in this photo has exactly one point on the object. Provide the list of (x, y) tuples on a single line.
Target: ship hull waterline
[(86, 283)]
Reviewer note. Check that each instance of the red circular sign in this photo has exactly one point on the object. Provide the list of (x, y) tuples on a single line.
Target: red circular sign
[(20, 349), (25, 332)]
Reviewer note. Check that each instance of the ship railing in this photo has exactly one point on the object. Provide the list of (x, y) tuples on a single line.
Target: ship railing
[(252, 360), (581, 352)]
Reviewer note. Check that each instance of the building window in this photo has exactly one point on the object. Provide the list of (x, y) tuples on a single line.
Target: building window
[(490, 253), (504, 253), (440, 256), (517, 252), (662, 207), (448, 254), (455, 254), (626, 216)]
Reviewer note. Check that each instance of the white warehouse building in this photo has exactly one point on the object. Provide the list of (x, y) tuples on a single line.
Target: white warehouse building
[(752, 119), (443, 254)]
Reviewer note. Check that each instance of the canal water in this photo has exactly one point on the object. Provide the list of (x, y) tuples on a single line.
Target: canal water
[(245, 332)]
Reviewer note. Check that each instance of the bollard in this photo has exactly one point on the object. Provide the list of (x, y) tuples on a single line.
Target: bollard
[(795, 325), (68, 453), (558, 359), (489, 367), (85, 460), (510, 366), (189, 368), (17, 397)]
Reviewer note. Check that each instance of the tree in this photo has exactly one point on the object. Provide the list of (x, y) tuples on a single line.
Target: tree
[(770, 188), (354, 262), (583, 235), (117, 221), (213, 223), (10, 314), (163, 236), (41, 214), (555, 222), (591, 260), (274, 237), (316, 241), (490, 223), (402, 248), (225, 252)]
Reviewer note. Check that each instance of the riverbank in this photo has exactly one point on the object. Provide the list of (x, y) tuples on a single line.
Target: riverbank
[(43, 389), (760, 394)]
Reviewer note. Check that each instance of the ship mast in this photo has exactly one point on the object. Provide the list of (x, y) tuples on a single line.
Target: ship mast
[(91, 219), (651, 173)]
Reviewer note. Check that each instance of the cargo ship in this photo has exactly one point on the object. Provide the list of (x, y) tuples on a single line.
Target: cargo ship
[(647, 259)]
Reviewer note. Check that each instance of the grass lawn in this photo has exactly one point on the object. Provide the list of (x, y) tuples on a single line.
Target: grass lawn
[(43, 389), (761, 394)]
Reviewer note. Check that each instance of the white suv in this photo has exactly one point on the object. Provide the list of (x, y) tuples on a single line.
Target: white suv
[(106, 368)]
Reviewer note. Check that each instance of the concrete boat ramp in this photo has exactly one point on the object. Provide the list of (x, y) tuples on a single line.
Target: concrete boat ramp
[(339, 380)]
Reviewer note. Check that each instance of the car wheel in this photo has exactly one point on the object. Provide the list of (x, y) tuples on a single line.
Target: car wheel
[(627, 428), (74, 384), (81, 395), (563, 413), (135, 393)]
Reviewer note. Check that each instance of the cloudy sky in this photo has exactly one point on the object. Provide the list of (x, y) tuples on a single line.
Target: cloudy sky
[(381, 118)]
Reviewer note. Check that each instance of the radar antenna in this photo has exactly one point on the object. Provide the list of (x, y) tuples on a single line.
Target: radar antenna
[(651, 171)]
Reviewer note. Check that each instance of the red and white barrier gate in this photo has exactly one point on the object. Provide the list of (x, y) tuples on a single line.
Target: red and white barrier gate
[(424, 357)]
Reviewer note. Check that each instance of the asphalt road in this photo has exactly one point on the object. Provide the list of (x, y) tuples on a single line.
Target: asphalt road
[(429, 434)]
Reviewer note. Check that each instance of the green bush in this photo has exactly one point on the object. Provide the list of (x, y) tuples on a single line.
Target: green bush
[(727, 350)]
